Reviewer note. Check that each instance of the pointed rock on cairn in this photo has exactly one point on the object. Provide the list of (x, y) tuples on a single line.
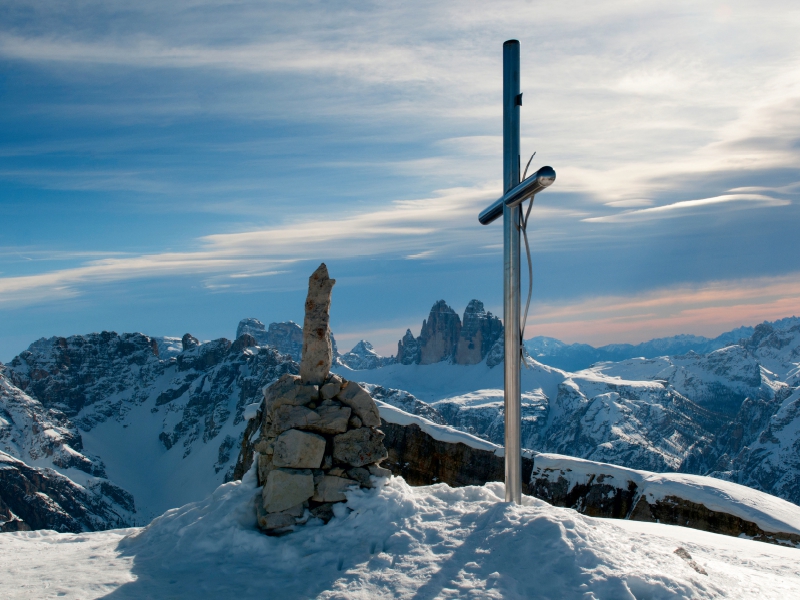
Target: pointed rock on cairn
[(318, 431)]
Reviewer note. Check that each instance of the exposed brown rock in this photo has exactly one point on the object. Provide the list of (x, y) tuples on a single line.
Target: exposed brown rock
[(423, 460), (677, 511)]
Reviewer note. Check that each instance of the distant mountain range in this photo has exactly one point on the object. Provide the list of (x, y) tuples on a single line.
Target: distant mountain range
[(574, 357), (107, 429)]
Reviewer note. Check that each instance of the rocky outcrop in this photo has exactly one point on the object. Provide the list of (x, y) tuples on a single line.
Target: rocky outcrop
[(408, 349), (673, 510), (422, 460), (479, 332), (286, 337), (34, 498), (188, 341), (68, 374), (439, 334), (603, 492), (443, 337)]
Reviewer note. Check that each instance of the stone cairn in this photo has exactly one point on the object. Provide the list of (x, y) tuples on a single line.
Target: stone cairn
[(318, 431)]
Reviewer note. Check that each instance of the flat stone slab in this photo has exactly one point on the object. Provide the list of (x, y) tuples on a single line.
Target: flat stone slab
[(330, 389), (331, 489), (332, 419), (293, 417), (286, 488), (359, 447), (357, 398), (298, 450), (288, 389)]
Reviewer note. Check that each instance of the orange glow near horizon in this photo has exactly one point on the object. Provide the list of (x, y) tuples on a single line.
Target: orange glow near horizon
[(708, 310)]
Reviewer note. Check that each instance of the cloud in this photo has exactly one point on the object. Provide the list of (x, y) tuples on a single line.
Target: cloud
[(677, 209), (399, 227), (705, 309), (187, 107)]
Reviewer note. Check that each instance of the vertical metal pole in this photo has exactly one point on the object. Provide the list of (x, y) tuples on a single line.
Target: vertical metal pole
[(511, 270)]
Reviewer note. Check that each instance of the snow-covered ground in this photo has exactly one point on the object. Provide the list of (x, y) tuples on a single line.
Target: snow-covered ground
[(769, 512), (395, 542)]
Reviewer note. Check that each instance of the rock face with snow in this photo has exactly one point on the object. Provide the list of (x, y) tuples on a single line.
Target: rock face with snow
[(443, 455), (150, 419), (286, 337), (443, 337), (408, 349), (314, 435), (39, 497), (124, 409), (732, 413), (479, 333), (363, 356)]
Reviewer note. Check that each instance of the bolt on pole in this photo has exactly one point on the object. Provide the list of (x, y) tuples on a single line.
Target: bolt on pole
[(511, 272)]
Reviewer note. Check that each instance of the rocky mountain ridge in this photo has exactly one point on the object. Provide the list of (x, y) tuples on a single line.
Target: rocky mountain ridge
[(446, 337), (574, 357), (161, 419)]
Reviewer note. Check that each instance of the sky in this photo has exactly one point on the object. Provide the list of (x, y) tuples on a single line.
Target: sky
[(172, 167)]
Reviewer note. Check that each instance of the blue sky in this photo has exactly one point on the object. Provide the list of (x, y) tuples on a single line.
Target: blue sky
[(176, 166)]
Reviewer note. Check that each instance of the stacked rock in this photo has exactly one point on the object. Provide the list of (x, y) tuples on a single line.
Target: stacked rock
[(318, 433), (316, 442)]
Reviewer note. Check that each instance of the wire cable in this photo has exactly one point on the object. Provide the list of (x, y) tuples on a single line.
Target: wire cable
[(523, 227)]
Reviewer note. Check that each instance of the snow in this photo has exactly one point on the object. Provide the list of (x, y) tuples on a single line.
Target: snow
[(443, 433), (769, 512), (439, 381), (395, 542), (250, 411)]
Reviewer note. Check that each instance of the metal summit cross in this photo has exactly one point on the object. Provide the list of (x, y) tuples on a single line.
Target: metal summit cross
[(509, 206)]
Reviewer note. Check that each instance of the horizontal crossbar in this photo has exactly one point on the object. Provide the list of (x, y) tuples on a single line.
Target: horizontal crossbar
[(531, 186)]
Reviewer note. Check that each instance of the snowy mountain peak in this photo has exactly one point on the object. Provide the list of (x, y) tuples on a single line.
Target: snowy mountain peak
[(363, 356)]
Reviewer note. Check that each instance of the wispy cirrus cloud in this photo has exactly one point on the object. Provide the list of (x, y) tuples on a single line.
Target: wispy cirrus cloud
[(398, 228), (677, 209)]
